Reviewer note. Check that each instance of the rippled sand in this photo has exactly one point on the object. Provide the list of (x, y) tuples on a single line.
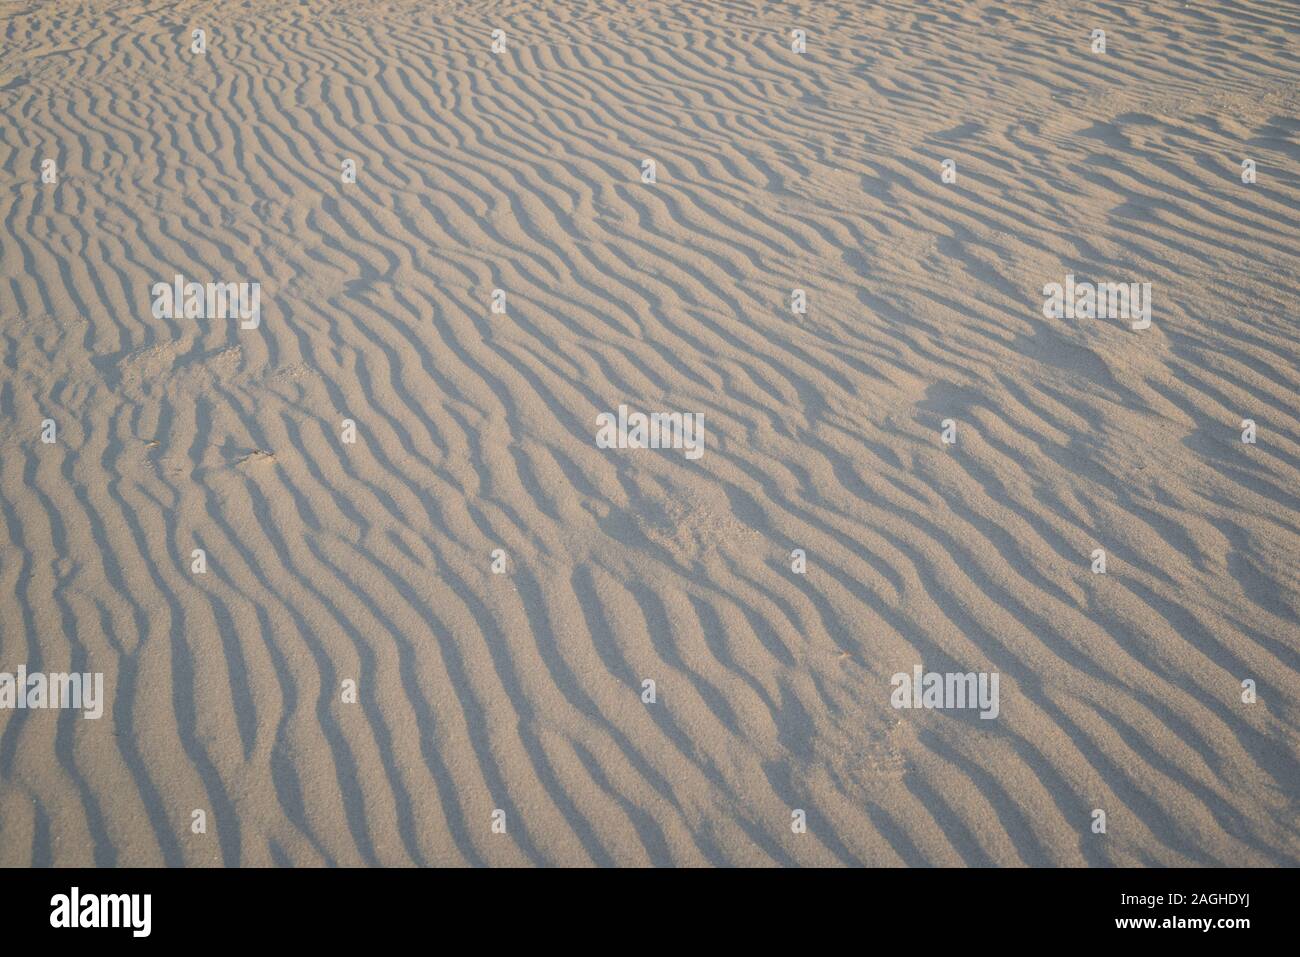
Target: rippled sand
[(521, 692)]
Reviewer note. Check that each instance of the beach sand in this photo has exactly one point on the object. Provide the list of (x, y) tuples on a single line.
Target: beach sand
[(348, 680)]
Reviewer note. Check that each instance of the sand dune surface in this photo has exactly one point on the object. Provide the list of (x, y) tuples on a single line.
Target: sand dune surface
[(364, 583)]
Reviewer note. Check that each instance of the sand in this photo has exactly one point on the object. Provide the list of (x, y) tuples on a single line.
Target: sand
[(348, 680)]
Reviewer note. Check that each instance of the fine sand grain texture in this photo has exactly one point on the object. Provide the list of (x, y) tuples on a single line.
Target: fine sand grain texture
[(371, 561)]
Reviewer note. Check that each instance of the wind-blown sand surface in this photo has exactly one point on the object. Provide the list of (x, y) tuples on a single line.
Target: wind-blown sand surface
[(522, 691)]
